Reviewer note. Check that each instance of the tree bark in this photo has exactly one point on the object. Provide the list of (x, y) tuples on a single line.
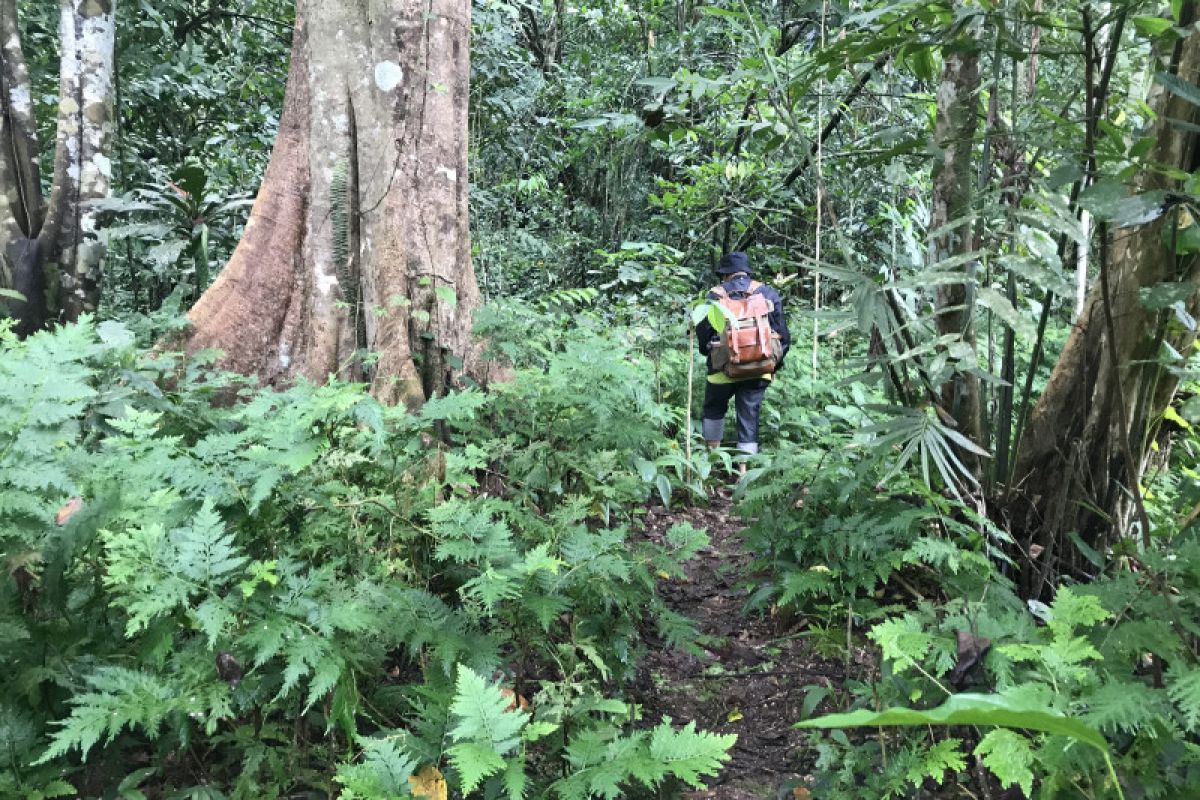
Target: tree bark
[(358, 240), (1071, 468), (82, 168), (51, 252), (954, 134)]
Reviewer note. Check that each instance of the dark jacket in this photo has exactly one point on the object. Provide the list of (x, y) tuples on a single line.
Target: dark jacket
[(738, 286)]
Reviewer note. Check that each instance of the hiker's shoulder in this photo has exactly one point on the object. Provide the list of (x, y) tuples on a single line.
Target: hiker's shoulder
[(765, 289)]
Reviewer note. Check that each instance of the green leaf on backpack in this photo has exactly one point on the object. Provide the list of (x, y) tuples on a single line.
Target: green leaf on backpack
[(715, 317)]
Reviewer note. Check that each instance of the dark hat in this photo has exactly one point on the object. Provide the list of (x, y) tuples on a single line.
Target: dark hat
[(733, 262)]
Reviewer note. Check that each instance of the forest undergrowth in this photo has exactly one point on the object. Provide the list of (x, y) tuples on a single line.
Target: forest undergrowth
[(531, 591)]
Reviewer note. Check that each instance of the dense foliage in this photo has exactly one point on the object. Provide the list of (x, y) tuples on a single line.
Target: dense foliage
[(273, 582)]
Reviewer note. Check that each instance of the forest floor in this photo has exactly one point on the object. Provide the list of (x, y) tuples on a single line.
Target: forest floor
[(752, 672)]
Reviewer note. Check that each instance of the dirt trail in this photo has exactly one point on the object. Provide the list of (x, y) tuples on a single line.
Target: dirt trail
[(751, 677)]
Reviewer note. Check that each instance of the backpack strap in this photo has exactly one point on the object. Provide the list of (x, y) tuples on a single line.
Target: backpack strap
[(754, 287), (720, 292)]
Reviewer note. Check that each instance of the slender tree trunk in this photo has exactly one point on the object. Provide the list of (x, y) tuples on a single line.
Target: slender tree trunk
[(20, 187), (1072, 459), (957, 121), (51, 253), (358, 240), (82, 168)]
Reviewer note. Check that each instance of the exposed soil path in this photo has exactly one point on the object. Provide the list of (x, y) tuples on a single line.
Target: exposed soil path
[(752, 674)]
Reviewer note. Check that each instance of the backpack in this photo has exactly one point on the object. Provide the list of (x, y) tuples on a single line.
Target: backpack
[(748, 347)]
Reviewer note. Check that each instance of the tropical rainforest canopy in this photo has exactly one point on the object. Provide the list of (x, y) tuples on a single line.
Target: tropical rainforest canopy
[(349, 399)]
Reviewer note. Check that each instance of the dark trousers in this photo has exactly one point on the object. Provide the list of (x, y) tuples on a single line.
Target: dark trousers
[(748, 402)]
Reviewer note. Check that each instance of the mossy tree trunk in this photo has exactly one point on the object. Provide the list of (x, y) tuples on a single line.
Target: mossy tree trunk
[(358, 241)]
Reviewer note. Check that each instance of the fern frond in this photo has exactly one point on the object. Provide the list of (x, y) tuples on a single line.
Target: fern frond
[(689, 754), (935, 762), (1008, 755), (1127, 706), (120, 698), (384, 771), (1184, 689), (482, 714)]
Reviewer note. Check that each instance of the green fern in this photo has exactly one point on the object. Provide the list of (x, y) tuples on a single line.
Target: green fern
[(1184, 689), (383, 772), (689, 754), (1010, 758), (942, 759), (120, 698), (1123, 706), (485, 729), (340, 210), (604, 761)]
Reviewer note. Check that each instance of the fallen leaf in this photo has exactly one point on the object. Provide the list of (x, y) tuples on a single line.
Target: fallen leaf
[(518, 700), (428, 783), (800, 793), (734, 715), (971, 650), (67, 511)]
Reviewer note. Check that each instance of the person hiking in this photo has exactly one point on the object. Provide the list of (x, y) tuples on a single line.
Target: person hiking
[(741, 365)]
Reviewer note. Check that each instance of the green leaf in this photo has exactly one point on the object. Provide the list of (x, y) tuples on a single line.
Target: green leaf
[(1183, 687), (1103, 198), (936, 761), (995, 300), (482, 714), (1008, 756), (1152, 27), (715, 317), (1179, 87), (1108, 202), (538, 730), (663, 483), (474, 762), (657, 84), (688, 753), (384, 770), (1165, 295), (1071, 610), (447, 296), (969, 709)]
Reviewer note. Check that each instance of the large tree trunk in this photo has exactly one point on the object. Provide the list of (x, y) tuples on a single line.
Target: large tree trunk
[(50, 252), (1072, 469), (954, 134), (358, 241)]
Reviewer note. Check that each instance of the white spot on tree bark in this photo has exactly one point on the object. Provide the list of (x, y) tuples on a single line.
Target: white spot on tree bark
[(450, 174), (18, 98), (388, 75), (326, 282)]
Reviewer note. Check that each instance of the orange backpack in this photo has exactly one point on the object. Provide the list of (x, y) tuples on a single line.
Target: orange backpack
[(748, 348)]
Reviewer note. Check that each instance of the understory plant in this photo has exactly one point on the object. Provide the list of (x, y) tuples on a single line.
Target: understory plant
[(305, 591), (923, 581)]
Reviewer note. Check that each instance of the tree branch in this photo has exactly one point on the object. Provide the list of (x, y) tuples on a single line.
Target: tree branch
[(826, 132)]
